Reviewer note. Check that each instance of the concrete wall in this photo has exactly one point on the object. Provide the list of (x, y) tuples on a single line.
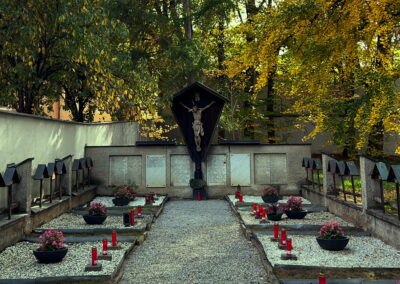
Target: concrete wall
[(292, 167), (25, 136)]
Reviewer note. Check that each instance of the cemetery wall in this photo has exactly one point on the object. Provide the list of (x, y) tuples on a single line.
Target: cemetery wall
[(168, 169), (45, 139)]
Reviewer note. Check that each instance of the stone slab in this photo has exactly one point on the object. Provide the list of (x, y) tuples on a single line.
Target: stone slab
[(216, 170), (125, 170), (71, 239), (155, 171), (180, 170), (240, 169)]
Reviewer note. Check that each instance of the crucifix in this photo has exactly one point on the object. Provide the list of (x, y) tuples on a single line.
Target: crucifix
[(197, 124)]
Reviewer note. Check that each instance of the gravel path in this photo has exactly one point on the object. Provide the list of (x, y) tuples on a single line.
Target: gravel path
[(195, 242)]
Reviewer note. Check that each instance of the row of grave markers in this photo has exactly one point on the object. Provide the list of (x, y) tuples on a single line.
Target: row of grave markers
[(372, 173), (54, 170)]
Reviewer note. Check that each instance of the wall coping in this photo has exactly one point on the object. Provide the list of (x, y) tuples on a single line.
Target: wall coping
[(240, 145), (45, 118)]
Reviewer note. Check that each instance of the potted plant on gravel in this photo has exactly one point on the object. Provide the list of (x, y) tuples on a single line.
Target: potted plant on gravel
[(331, 237), (275, 212), (294, 208), (122, 196), (51, 247), (97, 213), (270, 194)]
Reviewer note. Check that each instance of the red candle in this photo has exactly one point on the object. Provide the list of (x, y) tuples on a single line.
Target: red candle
[(322, 280), (237, 194), (114, 239), (283, 237), (240, 198), (139, 210), (198, 196), (94, 256), (264, 214), (289, 247), (132, 217), (105, 246), (276, 231), (260, 208), (254, 207)]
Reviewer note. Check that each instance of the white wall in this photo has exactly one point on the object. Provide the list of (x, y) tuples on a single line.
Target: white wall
[(24, 136)]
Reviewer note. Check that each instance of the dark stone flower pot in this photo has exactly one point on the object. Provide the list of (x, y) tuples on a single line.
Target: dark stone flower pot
[(333, 244), (274, 217), (121, 201), (270, 198), (50, 256), (296, 214), (94, 219)]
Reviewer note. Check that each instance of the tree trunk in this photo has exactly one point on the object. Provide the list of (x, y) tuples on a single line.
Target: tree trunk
[(270, 108), (187, 19)]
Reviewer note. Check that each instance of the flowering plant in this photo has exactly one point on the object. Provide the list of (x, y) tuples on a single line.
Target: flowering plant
[(51, 240), (97, 209), (331, 230), (269, 191), (294, 204), (275, 209), (123, 193)]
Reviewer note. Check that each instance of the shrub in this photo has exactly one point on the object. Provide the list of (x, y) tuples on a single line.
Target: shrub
[(331, 230), (51, 240), (97, 208), (294, 204)]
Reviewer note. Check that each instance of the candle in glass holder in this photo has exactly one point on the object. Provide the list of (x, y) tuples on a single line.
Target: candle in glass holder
[(139, 211), (114, 238), (198, 196), (94, 256), (260, 209), (254, 208), (276, 231), (322, 280), (240, 198), (289, 247), (132, 219), (105, 246), (283, 237)]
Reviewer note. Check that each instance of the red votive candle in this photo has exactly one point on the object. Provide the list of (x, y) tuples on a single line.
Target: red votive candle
[(322, 280), (94, 256), (264, 213), (139, 210), (289, 247), (237, 194), (105, 246), (114, 239), (254, 207), (132, 217), (198, 196), (240, 198), (276, 231), (260, 208), (283, 237)]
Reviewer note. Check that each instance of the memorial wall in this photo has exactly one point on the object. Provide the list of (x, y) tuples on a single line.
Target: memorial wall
[(168, 169)]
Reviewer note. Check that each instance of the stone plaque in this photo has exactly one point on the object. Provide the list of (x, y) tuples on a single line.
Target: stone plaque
[(278, 168), (155, 171), (180, 170), (216, 170), (125, 170), (270, 168), (240, 169)]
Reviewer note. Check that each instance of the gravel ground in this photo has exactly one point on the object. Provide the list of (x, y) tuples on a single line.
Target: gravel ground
[(315, 218), (258, 199), (73, 221), (18, 262), (139, 201), (361, 252), (195, 242)]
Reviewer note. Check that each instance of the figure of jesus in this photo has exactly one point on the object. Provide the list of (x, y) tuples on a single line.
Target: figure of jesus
[(197, 125)]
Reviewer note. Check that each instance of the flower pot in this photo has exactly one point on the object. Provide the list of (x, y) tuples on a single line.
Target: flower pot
[(270, 198), (296, 214), (121, 201), (44, 256), (333, 244), (94, 219), (274, 217)]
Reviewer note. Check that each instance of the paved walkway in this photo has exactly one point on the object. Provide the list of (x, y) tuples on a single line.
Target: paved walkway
[(195, 242)]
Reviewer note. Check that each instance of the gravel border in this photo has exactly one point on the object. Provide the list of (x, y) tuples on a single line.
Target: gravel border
[(315, 218), (20, 256), (75, 221), (361, 252), (139, 201)]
